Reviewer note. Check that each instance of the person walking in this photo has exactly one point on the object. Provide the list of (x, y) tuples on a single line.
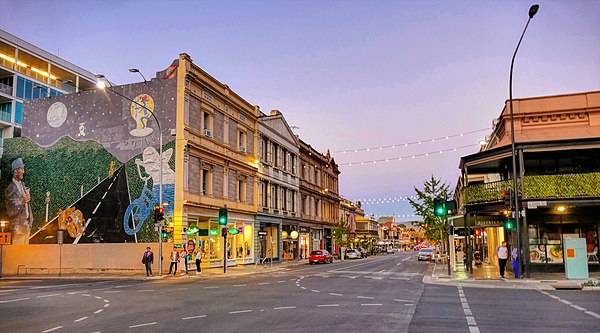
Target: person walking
[(184, 261), (174, 260), (198, 261), (147, 260), (515, 262), (502, 253)]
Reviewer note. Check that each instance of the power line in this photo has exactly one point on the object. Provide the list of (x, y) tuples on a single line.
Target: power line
[(406, 157)]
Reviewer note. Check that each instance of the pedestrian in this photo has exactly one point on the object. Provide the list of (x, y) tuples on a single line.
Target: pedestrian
[(502, 252), (147, 260), (198, 261), (184, 261), (174, 260), (515, 262)]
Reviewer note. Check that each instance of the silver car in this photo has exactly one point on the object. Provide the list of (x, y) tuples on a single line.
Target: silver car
[(352, 254), (425, 254)]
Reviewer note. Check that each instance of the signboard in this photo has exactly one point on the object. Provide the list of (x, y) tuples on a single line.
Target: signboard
[(233, 231), (536, 204), (304, 229), (262, 233), (5, 238), (214, 232)]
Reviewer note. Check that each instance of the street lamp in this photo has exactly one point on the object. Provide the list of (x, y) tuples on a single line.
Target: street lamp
[(135, 70), (102, 85), (532, 11)]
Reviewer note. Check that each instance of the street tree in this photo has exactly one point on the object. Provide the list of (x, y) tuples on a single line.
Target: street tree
[(341, 233), (432, 226)]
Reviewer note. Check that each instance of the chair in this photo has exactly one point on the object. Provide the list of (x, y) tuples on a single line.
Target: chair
[(593, 256)]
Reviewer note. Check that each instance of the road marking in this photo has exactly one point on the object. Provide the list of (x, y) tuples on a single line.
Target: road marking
[(105, 301), (42, 296), (240, 311), (141, 325), (565, 301), (52, 329), (104, 195), (303, 287), (471, 321), (315, 291), (106, 305), (80, 319), (109, 186), (578, 307), (284, 307), (194, 317), (213, 287), (96, 312), (263, 283), (86, 295), (327, 305), (464, 300), (97, 206), (473, 329), (398, 264), (465, 305), (402, 300), (593, 314), (372, 304), (112, 291), (180, 289), (15, 300), (399, 278), (97, 297), (334, 294), (365, 297), (281, 281), (468, 312), (239, 285), (144, 290)]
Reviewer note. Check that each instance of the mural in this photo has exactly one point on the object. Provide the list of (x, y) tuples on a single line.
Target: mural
[(92, 162)]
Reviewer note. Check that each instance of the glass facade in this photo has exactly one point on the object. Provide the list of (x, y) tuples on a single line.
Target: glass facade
[(5, 111), (239, 246), (26, 90), (18, 113)]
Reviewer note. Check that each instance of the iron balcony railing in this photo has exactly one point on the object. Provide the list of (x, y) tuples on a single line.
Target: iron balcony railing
[(573, 185)]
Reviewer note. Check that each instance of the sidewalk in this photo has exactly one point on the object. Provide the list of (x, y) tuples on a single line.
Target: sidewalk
[(488, 276), (207, 273)]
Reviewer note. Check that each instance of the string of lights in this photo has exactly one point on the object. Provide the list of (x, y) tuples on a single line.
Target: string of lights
[(376, 201), (406, 144), (406, 157), (395, 215)]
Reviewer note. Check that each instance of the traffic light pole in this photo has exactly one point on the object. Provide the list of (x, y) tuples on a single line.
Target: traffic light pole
[(224, 231)]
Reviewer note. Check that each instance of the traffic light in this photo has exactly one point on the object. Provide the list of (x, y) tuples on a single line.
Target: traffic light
[(160, 213), (509, 198), (439, 207), (509, 225), (224, 231), (223, 216), (164, 234)]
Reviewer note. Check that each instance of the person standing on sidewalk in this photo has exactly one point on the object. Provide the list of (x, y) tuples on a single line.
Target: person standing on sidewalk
[(185, 256), (174, 260), (515, 262), (502, 252), (198, 261), (147, 260)]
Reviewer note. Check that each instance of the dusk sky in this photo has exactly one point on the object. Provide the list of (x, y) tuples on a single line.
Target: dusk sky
[(348, 74)]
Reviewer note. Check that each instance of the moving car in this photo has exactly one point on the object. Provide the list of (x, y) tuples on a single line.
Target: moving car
[(320, 256), (352, 254), (425, 254)]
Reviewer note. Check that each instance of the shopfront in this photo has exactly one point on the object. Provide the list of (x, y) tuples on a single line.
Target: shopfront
[(290, 241), (304, 242), (269, 236)]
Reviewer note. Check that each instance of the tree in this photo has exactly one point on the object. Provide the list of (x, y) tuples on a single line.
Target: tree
[(340, 229), (423, 206)]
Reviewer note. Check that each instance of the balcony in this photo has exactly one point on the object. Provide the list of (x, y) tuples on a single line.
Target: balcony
[(562, 186)]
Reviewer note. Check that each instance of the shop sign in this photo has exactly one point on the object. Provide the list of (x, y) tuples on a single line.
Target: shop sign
[(233, 231), (304, 229), (214, 232), (262, 233), (240, 229), (536, 204)]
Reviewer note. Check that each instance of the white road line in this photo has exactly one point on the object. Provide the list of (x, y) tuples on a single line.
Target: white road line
[(334, 294), (240, 311), (104, 195), (365, 297), (471, 321), (112, 291), (372, 304), (105, 301), (97, 297), (52, 329), (80, 319), (239, 285), (402, 300), (106, 305), (553, 296), (144, 290), (98, 311), (194, 317), (468, 312), (9, 290), (141, 325), (213, 287), (399, 278), (593, 314), (565, 301), (315, 291), (473, 329), (280, 281), (109, 186), (303, 287), (15, 300), (463, 300), (327, 305), (578, 307), (86, 295), (465, 305), (179, 289), (284, 307), (42, 296), (263, 283), (398, 264), (97, 206)]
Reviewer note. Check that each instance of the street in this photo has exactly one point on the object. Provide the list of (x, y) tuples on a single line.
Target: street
[(379, 294)]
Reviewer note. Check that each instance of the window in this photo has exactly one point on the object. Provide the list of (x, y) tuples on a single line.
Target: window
[(284, 155), (18, 113), (5, 111), (205, 179), (263, 149), (186, 110), (274, 154), (186, 177), (207, 123), (20, 87), (226, 130), (226, 183), (274, 197), (294, 171), (284, 198), (242, 141), (264, 195), (293, 201), (241, 190)]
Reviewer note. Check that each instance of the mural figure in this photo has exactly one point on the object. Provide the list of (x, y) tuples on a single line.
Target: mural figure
[(81, 129), (141, 110), (17, 199), (142, 207), (71, 220)]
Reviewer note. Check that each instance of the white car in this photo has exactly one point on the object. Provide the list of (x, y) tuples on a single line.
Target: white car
[(352, 254)]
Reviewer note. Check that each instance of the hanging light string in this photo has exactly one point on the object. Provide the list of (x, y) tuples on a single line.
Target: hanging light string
[(377, 201), (406, 157), (448, 137), (394, 215)]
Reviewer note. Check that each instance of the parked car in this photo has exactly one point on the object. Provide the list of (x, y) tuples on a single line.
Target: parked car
[(352, 254), (320, 256), (363, 252), (390, 250), (425, 254)]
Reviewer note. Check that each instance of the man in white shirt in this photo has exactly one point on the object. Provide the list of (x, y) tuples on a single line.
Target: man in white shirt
[(502, 252), (17, 199)]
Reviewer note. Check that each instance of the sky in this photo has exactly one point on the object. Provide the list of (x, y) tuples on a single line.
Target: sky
[(347, 75)]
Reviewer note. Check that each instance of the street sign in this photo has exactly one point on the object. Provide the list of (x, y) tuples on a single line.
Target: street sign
[(262, 233), (5, 238), (233, 231)]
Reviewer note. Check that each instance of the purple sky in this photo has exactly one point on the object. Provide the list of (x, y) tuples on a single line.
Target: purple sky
[(349, 74)]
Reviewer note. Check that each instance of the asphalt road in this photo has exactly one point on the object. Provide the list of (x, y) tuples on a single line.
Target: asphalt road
[(379, 294)]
